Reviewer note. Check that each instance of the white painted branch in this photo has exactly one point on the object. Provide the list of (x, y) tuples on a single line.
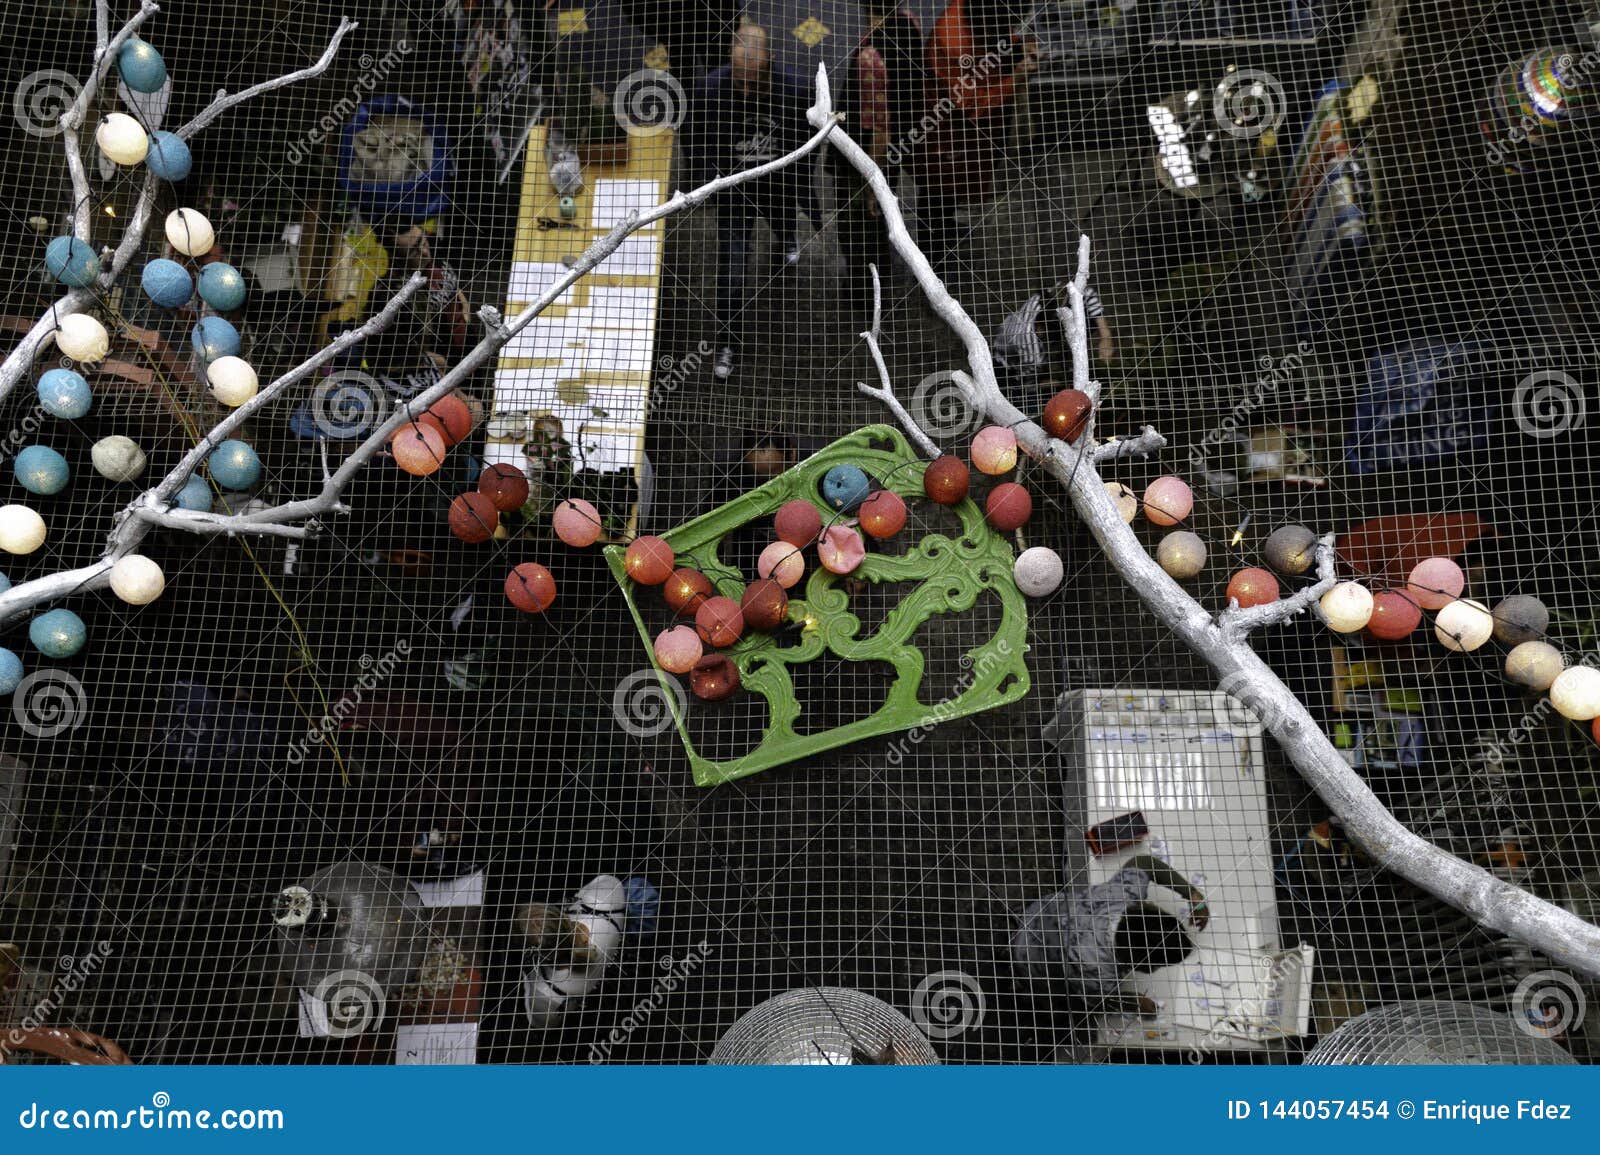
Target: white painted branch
[(1146, 443), (197, 521), (226, 100), (885, 393), (1493, 902), (1237, 622)]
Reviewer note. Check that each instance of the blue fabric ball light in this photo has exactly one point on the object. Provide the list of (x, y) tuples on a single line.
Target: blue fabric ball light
[(214, 337), (234, 465), (141, 66), (58, 633), (169, 158), (41, 470), (845, 486), (72, 262), (65, 394), (221, 286), (167, 283), (5, 583), (10, 671), (195, 494)]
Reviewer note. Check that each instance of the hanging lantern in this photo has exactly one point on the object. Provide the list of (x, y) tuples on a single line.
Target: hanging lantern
[(575, 521), (507, 487), (1534, 665), (1009, 507), (64, 394), (234, 465), (166, 283), (844, 487), (58, 633), (233, 381), (994, 450), (118, 458), (72, 262), (1575, 693), (1181, 554), (41, 470), (1066, 414), (169, 158), (21, 529), (648, 560), (1168, 500), (946, 480), (685, 590), (882, 515), (719, 621), (1038, 571), (841, 549), (798, 522), (782, 562), (1463, 625), (141, 66), (1436, 582), (678, 648), (418, 449), (1290, 549)]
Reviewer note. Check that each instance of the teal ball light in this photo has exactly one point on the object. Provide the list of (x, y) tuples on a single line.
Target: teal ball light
[(195, 494), (72, 262), (845, 486), (41, 470), (221, 286), (10, 671), (234, 465), (169, 158), (58, 633), (215, 337), (167, 283), (64, 394), (141, 66)]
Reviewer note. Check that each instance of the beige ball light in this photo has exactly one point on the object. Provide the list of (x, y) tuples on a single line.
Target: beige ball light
[(1347, 607), (83, 338), (233, 381), (1534, 665), (21, 529), (1576, 693), (137, 580), (1463, 625), (122, 139), (189, 233), (117, 458)]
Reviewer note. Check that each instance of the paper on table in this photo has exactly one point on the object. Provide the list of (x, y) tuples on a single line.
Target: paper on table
[(464, 891), (615, 199), (544, 340), (436, 1044), (617, 351), (634, 257), (530, 280), (622, 307)]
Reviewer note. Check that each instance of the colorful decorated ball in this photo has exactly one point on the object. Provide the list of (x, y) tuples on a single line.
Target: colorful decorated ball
[(167, 283), (531, 588), (41, 470), (719, 621), (1436, 582), (195, 494), (649, 560), (1168, 500), (1291, 550), (473, 518), (454, 418), (678, 648), (214, 337), (1346, 608), (1182, 554), (882, 515), (1252, 586), (122, 139), (845, 486), (1009, 506), (575, 521), (1066, 414), (72, 262), (233, 381), (169, 157), (507, 487), (1395, 616), (1038, 571), (1575, 693), (83, 338), (11, 671), (714, 678), (141, 66), (21, 529), (118, 458), (418, 448), (1463, 625), (64, 394), (798, 522), (783, 562), (1126, 501), (765, 605), (1520, 618), (57, 633), (222, 286), (137, 580), (994, 450), (234, 465), (1534, 665), (946, 480), (840, 549), (686, 590), (189, 232)]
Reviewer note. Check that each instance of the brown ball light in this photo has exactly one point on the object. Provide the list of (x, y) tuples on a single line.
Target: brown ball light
[(714, 677), (504, 485), (765, 605), (453, 416), (686, 590), (798, 522), (531, 588), (648, 560), (1066, 414), (1009, 507), (719, 621), (473, 518), (946, 480)]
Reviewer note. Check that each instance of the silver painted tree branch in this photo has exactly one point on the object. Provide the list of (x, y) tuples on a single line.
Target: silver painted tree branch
[(1496, 904)]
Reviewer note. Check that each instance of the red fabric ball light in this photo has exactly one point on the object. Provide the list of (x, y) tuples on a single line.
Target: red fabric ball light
[(714, 678), (453, 416), (1066, 414), (473, 518), (719, 621), (648, 560), (1009, 506), (765, 606), (1253, 586), (531, 588), (686, 590), (946, 480), (418, 448), (505, 485), (798, 523), (576, 522), (1395, 616), (882, 515), (678, 648)]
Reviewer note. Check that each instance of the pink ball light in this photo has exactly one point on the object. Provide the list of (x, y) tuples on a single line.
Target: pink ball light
[(841, 549), (783, 562), (994, 450), (576, 522), (1168, 500), (1436, 582), (678, 649)]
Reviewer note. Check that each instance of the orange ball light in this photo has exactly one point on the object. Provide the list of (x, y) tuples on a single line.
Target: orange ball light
[(798, 522), (418, 449), (782, 562), (648, 560), (994, 450), (453, 416), (1168, 500), (505, 485), (946, 480), (1252, 587), (685, 590), (1066, 414), (473, 518), (714, 678), (882, 515), (765, 606), (841, 549), (531, 588), (577, 523), (1009, 506), (678, 648), (1395, 616), (719, 621)]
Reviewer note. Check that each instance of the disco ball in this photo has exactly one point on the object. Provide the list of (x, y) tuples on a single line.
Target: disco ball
[(1435, 1033), (823, 1027)]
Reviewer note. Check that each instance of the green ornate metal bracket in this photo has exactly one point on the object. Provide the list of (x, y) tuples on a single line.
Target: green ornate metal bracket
[(952, 574)]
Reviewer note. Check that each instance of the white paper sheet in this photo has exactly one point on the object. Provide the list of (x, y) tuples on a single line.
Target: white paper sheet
[(436, 1044), (615, 199)]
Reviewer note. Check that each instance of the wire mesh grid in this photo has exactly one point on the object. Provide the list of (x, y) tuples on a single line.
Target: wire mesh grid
[(1341, 254)]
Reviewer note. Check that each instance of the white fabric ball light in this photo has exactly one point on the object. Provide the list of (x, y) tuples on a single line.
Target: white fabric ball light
[(1039, 571), (189, 233), (83, 338), (21, 529), (1347, 607), (233, 381), (137, 580), (1576, 693), (1126, 500), (1463, 625), (122, 138), (117, 458), (1534, 665)]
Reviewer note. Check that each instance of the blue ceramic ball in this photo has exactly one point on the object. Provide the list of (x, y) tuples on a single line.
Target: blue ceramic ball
[(234, 465), (214, 337), (169, 158), (64, 393), (10, 671), (195, 494), (58, 633), (72, 262), (141, 66), (221, 286), (845, 486), (167, 283), (41, 470)]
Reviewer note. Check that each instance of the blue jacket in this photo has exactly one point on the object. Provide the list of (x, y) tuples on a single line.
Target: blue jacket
[(729, 131)]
